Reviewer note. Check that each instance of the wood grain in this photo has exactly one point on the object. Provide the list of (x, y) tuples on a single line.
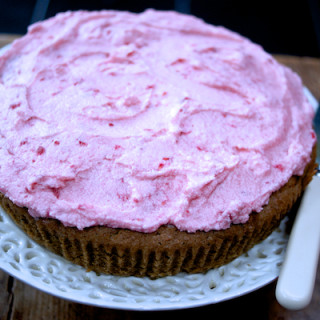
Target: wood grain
[(308, 69), (20, 301), (6, 295)]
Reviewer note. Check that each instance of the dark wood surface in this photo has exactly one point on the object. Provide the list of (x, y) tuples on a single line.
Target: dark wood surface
[(21, 301)]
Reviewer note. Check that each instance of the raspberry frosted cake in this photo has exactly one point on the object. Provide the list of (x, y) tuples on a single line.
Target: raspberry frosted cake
[(149, 144)]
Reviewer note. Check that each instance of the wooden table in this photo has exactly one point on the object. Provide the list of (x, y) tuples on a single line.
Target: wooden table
[(20, 301)]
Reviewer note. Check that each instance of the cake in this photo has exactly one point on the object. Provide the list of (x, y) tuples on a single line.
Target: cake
[(149, 144)]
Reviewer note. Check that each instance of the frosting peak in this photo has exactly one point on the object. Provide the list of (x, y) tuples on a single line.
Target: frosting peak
[(140, 120)]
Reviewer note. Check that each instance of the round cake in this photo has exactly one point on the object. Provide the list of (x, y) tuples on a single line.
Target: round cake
[(149, 144)]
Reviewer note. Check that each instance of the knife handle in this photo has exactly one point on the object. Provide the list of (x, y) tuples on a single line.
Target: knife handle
[(296, 280)]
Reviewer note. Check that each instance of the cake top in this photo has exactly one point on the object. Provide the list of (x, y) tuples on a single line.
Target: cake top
[(142, 120)]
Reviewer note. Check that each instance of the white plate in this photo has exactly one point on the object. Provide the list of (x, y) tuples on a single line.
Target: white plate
[(36, 266)]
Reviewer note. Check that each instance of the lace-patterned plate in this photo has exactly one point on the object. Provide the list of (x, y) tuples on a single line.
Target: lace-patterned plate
[(29, 262)]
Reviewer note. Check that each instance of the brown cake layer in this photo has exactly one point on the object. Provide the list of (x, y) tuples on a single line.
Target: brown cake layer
[(167, 251)]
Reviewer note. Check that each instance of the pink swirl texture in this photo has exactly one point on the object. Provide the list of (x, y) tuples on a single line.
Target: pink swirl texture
[(141, 120)]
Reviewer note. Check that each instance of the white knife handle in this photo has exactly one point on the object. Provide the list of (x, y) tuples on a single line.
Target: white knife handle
[(296, 281)]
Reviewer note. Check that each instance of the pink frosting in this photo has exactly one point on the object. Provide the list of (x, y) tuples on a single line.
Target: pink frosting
[(142, 120)]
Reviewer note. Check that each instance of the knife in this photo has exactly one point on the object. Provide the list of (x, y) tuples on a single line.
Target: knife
[(297, 276)]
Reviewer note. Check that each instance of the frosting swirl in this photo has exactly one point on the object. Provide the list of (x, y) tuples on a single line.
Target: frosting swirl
[(141, 120)]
